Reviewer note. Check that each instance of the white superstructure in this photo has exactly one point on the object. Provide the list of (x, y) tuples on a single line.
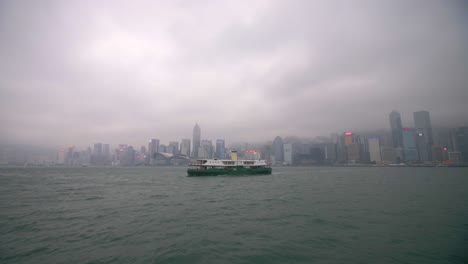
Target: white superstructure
[(229, 163)]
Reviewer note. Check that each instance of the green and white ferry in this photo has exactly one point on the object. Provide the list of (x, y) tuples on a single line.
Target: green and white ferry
[(215, 167)]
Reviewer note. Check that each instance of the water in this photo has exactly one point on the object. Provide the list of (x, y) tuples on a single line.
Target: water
[(296, 215)]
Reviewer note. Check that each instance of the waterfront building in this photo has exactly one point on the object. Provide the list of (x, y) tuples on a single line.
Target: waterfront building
[(143, 150), (153, 148), (397, 129), (266, 153), (60, 156), (455, 156), (173, 147), (127, 157), (388, 155), (252, 154), (106, 154), (69, 156), (354, 153), (185, 147), (348, 138), (374, 150), (220, 149), (330, 152), (205, 151), (460, 142), (341, 155), (410, 151), (437, 153), (162, 148), (97, 149), (288, 154), (196, 140), (277, 150), (424, 139)]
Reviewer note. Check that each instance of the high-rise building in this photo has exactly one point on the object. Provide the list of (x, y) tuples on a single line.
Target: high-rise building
[(374, 150), (437, 153), (388, 155), (330, 152), (410, 151), (277, 149), (153, 148), (97, 149), (185, 147), (460, 142), (173, 147), (196, 140), (61, 156), (162, 148), (354, 153), (424, 140), (220, 149), (106, 153), (288, 154), (348, 138), (205, 151), (143, 150), (397, 129)]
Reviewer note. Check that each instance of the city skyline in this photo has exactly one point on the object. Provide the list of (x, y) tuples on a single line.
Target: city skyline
[(414, 145), (196, 130)]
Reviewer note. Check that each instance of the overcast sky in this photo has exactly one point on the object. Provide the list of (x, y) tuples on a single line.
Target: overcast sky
[(79, 72)]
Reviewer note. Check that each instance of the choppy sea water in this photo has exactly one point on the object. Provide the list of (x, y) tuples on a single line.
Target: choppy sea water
[(296, 215)]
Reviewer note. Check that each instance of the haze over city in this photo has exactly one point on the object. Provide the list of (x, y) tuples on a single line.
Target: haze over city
[(78, 72)]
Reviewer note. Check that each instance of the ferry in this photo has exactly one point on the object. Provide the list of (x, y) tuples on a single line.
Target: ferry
[(215, 167)]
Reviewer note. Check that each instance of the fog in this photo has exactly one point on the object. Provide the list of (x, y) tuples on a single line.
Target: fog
[(79, 72)]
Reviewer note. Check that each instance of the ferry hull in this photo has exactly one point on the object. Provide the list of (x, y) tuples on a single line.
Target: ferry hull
[(228, 171)]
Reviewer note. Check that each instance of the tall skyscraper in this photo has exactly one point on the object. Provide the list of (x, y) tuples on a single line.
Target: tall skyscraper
[(278, 150), (97, 158), (97, 149), (410, 150), (424, 140), (354, 153), (397, 129), (185, 147), (374, 150), (153, 147), (288, 154), (460, 138), (348, 138), (220, 149), (106, 153), (196, 140)]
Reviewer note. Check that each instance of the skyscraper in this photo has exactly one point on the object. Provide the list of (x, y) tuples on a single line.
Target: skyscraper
[(460, 138), (278, 150), (97, 158), (153, 148), (409, 145), (424, 140), (397, 129), (220, 149), (374, 150), (185, 147), (196, 140), (288, 154), (205, 151)]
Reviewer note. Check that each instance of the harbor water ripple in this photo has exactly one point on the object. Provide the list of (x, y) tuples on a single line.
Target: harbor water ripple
[(296, 215)]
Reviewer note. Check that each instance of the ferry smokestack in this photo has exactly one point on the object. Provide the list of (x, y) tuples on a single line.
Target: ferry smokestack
[(233, 155)]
